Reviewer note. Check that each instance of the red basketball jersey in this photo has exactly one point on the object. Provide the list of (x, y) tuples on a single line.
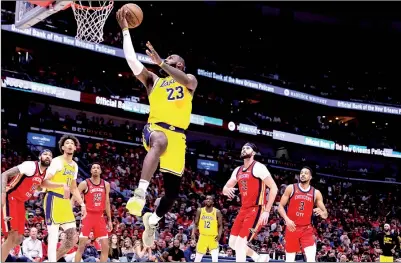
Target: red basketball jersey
[(23, 186), (95, 196), (252, 189), (300, 207)]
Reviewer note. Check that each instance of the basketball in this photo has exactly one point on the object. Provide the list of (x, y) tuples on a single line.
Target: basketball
[(134, 15)]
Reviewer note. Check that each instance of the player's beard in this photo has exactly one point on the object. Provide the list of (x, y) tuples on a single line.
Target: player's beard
[(163, 73), (44, 163), (304, 182), (246, 156)]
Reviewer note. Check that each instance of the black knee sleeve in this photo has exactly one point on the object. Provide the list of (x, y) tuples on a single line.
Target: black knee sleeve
[(171, 187)]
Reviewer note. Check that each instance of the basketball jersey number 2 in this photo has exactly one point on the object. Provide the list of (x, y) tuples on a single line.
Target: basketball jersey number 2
[(179, 93)]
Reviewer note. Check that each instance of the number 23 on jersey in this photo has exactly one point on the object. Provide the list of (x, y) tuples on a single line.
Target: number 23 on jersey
[(176, 93)]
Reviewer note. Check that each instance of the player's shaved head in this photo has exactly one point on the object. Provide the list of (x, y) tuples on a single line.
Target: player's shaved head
[(179, 59)]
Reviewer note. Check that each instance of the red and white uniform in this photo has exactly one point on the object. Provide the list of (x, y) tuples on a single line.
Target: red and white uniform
[(253, 198), (300, 210), (20, 189), (95, 201)]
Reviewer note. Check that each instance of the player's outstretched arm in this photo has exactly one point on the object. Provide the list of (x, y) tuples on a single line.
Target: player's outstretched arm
[(145, 76), (188, 80), (321, 208), (196, 224)]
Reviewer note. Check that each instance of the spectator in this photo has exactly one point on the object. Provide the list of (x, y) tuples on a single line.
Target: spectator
[(90, 253), (181, 233), (127, 248), (190, 252), (175, 254), (141, 253), (32, 246), (114, 249)]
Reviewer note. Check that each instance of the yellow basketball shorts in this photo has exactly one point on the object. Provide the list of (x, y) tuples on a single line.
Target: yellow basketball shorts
[(173, 159), (386, 259), (206, 243), (58, 211)]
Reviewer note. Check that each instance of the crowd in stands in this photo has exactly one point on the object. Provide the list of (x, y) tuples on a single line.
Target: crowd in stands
[(357, 211)]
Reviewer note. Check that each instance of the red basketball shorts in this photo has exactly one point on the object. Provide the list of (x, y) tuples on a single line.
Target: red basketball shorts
[(246, 224), (298, 240), (94, 222), (13, 215)]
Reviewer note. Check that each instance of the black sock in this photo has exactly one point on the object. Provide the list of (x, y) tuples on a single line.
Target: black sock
[(171, 186)]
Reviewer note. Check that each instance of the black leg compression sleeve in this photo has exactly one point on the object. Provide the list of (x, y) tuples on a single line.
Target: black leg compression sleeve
[(171, 187)]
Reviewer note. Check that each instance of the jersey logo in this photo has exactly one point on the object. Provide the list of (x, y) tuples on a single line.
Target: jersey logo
[(8, 218), (167, 83), (97, 197)]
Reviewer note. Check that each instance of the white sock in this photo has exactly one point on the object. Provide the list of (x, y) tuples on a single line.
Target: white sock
[(198, 257), (310, 253), (154, 219), (52, 242), (254, 256), (143, 184), (290, 257), (241, 246), (215, 255)]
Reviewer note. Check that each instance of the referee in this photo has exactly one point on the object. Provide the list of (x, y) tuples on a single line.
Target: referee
[(388, 244)]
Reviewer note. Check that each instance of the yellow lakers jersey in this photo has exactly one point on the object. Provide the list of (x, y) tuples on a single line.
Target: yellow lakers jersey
[(63, 171), (171, 103), (208, 225)]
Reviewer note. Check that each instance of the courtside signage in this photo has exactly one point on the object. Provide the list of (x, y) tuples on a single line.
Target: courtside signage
[(71, 41), (300, 95), (67, 94)]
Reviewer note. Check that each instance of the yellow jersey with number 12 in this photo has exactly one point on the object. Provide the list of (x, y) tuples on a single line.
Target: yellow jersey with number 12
[(63, 171), (208, 225), (171, 103)]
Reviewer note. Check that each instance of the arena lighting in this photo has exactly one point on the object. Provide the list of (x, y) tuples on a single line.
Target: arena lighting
[(336, 118), (373, 122)]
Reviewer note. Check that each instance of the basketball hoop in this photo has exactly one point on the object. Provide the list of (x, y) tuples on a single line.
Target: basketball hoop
[(91, 19)]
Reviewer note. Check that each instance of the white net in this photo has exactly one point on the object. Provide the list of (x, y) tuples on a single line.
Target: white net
[(91, 17)]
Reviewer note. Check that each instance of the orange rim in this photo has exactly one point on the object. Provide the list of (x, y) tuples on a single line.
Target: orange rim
[(82, 7)]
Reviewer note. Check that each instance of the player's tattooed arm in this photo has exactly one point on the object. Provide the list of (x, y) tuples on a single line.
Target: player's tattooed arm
[(6, 176), (321, 208), (219, 224), (196, 225)]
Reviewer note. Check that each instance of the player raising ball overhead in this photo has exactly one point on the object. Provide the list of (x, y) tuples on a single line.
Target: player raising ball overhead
[(170, 100)]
